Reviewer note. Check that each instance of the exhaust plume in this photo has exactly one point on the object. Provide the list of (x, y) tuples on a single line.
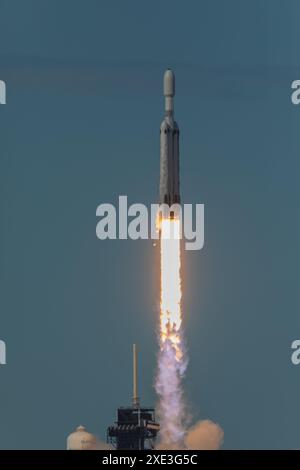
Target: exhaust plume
[(172, 360), (204, 435)]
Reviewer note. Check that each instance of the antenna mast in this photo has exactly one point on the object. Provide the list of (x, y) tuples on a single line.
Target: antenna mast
[(135, 398)]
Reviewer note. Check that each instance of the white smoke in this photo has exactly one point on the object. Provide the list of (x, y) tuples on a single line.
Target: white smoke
[(204, 435), (171, 406)]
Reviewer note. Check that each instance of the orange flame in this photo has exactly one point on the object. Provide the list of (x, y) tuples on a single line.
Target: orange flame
[(170, 303)]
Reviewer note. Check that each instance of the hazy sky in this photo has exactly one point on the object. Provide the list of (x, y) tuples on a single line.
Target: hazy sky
[(81, 126)]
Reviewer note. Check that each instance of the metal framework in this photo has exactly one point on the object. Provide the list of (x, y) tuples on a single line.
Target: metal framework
[(135, 427)]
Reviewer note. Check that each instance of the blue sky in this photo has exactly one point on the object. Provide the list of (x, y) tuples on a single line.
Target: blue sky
[(81, 126)]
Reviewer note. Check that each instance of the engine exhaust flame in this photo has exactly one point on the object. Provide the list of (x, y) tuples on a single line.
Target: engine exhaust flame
[(172, 360)]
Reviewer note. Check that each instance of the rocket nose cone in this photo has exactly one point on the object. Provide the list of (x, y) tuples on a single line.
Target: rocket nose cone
[(169, 83)]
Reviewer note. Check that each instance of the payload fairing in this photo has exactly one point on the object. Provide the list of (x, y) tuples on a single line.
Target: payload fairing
[(169, 147)]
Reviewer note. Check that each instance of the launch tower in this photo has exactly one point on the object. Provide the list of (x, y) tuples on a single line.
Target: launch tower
[(135, 428)]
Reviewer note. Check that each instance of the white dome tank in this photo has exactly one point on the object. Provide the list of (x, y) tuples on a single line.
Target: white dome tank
[(80, 439)]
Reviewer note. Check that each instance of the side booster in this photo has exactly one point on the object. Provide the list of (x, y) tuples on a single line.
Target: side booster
[(169, 147)]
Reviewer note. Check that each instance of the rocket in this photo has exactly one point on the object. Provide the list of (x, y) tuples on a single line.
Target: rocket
[(169, 147)]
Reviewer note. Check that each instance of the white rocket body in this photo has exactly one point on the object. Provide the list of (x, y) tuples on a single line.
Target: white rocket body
[(169, 147)]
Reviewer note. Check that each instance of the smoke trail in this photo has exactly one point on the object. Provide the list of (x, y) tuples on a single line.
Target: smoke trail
[(171, 408), (172, 357), (172, 360)]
